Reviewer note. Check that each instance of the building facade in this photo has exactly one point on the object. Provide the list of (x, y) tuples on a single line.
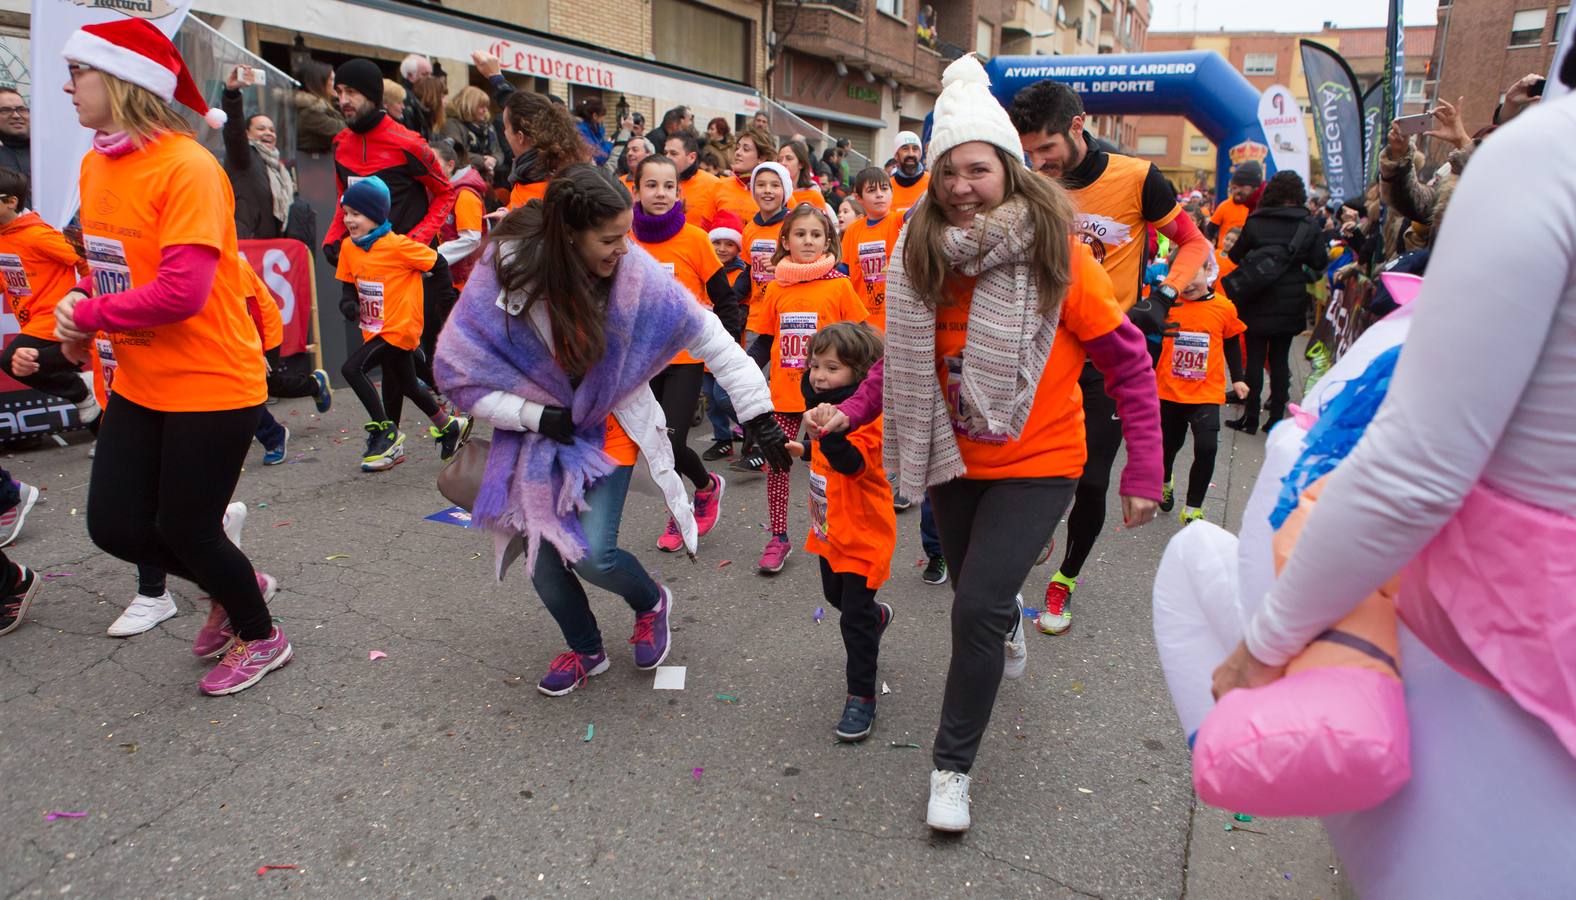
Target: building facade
[(1267, 58), (1484, 46)]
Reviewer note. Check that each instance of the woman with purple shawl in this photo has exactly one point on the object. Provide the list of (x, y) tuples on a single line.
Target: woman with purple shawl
[(553, 341)]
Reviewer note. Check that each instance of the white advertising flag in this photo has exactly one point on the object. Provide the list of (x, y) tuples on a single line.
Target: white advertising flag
[(1284, 129), (57, 159)]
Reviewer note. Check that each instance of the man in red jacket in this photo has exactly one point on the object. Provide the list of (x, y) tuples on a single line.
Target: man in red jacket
[(420, 195), (374, 144)]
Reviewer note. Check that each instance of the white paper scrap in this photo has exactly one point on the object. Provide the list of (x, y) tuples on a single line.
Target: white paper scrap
[(669, 678)]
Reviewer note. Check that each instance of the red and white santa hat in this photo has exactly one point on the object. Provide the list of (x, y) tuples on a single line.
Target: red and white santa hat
[(138, 53)]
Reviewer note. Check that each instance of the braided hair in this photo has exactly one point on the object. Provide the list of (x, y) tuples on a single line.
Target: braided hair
[(535, 253)]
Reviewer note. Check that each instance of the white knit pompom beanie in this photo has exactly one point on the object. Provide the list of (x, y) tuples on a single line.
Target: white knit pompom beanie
[(967, 111)]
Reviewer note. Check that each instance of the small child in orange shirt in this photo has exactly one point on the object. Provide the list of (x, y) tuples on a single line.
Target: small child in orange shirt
[(868, 241), (807, 294), (1191, 379), (383, 272), (852, 525)]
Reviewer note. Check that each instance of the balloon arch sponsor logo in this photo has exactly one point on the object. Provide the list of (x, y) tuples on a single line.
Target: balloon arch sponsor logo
[(1248, 150)]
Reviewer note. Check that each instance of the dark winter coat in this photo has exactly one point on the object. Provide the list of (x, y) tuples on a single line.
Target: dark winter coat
[(1282, 308), (254, 199)]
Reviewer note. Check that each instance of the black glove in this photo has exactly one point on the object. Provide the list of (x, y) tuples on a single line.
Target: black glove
[(557, 424), (767, 436), (331, 253), (351, 310)]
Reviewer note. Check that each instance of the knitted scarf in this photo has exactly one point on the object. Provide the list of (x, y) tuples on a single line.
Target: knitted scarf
[(652, 229), (534, 486), (281, 185), (790, 273), (1008, 344)]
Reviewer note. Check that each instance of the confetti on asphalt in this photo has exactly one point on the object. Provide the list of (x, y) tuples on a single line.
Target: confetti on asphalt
[(1242, 817), (904, 746), (697, 772), (50, 817), (336, 556), (727, 698), (1030, 613), (282, 524), (590, 733), (262, 506), (885, 689), (376, 655), (264, 870), (820, 613), (48, 575), (1085, 791), (725, 564)]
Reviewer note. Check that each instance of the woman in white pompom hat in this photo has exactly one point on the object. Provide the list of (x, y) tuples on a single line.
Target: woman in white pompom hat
[(992, 307), (166, 298)]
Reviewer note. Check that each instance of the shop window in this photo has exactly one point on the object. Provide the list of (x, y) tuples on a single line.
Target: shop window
[(1258, 64), (1526, 27), (1152, 145), (700, 38)]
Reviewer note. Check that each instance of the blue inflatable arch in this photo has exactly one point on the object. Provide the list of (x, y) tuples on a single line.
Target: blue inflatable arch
[(1199, 85)]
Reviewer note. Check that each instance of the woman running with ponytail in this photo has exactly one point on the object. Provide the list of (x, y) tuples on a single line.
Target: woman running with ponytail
[(166, 288), (544, 140), (554, 341), (684, 250)]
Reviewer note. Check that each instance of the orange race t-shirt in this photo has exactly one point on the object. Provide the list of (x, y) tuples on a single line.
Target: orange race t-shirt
[(905, 197), (618, 444), (1052, 442), (629, 184), (810, 195), (264, 309), (867, 250), (1227, 216), (734, 196), (469, 215), (852, 525), (700, 199), (388, 283), (102, 361), (793, 314), (1111, 221), (760, 244), (1226, 268), (40, 266), (521, 194), (172, 192), (689, 257), (1193, 362)]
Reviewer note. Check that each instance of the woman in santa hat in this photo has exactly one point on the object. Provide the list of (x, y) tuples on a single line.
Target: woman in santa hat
[(166, 287)]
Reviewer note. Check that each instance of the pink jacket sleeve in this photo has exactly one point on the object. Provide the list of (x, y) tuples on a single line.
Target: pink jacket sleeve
[(178, 292), (863, 407), (1123, 358)]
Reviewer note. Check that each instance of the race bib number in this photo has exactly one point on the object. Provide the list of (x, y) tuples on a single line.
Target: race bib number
[(107, 363), (873, 261), (761, 252), (818, 505), (966, 421), (371, 294), (15, 276), (1190, 355), (107, 260), (794, 331)]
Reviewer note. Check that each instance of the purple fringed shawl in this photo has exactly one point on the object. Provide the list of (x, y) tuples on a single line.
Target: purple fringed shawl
[(534, 486)]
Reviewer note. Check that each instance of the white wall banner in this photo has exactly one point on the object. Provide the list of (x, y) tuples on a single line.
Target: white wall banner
[(58, 160), (1284, 129)]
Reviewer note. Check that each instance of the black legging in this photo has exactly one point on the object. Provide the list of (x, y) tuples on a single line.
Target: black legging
[(1276, 349), (1102, 437), (56, 375), (1204, 421), (160, 484), (399, 381), (678, 391), (284, 383)]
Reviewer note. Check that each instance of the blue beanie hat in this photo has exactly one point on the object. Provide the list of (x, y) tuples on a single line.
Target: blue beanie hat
[(370, 197)]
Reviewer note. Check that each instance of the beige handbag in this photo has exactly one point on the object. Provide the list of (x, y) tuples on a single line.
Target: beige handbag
[(461, 480)]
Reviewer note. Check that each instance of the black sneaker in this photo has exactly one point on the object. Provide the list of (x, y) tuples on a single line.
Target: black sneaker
[(452, 436), (750, 461), (859, 715), (885, 609), (935, 571), (900, 502), (719, 450), (13, 606)]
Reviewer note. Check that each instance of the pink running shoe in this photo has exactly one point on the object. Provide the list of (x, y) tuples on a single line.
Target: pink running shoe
[(708, 505), (775, 555), (246, 664), (671, 541), (215, 635)]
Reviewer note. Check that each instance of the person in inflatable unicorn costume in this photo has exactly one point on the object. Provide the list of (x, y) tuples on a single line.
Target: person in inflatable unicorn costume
[(1390, 643)]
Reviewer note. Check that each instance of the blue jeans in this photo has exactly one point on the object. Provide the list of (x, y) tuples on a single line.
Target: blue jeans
[(927, 528), (269, 431), (719, 409), (604, 565)]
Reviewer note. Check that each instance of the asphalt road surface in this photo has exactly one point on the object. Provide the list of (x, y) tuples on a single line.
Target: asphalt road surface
[(440, 771)]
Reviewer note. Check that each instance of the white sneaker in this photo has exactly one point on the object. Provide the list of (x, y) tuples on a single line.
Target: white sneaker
[(11, 520), (949, 801), (1016, 647), (234, 521), (143, 614)]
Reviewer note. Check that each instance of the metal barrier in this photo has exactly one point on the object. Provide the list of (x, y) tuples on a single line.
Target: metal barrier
[(785, 123)]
